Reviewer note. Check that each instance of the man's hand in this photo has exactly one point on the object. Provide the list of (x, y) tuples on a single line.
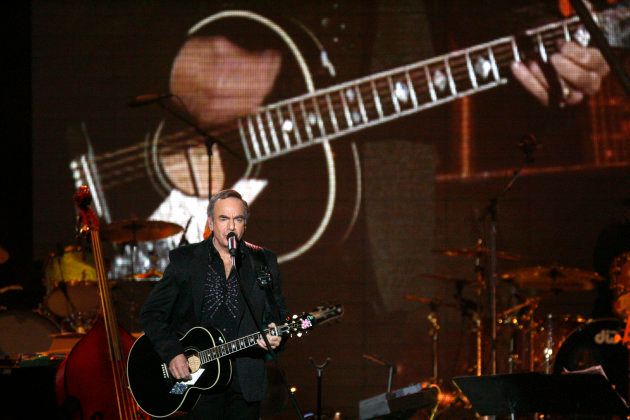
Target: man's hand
[(274, 340), (580, 71), (178, 366), (218, 81)]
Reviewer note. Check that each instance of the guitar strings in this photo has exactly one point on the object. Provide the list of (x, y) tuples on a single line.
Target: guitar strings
[(173, 144), (124, 401)]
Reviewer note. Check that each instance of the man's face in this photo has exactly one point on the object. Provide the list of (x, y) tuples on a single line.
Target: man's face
[(229, 216)]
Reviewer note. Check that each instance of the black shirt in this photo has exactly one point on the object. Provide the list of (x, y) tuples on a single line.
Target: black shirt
[(221, 305)]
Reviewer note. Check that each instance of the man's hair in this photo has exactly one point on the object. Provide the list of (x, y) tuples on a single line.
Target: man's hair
[(226, 194)]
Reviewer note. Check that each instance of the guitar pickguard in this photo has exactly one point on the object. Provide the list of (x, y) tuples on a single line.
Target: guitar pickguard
[(179, 388)]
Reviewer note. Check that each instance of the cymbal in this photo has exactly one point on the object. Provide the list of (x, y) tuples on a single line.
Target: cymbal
[(474, 251), (529, 302), (4, 255), (134, 230), (151, 275), (10, 287), (553, 278), (429, 301)]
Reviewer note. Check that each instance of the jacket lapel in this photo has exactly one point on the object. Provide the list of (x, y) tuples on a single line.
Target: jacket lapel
[(248, 279), (199, 272)]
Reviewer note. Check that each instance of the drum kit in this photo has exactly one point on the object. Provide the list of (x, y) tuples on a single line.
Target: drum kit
[(72, 297), (535, 338), (23, 330)]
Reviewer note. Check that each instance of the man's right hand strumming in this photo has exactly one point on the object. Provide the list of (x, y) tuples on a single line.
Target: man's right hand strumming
[(178, 366)]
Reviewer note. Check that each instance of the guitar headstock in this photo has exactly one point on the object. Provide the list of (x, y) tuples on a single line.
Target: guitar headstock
[(300, 324), (323, 314), (87, 219)]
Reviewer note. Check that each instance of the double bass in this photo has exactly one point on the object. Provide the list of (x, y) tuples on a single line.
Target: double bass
[(91, 381)]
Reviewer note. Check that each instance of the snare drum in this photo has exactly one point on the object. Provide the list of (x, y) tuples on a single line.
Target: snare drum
[(598, 342), (25, 331)]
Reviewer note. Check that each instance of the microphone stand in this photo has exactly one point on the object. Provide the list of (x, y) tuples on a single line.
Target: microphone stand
[(528, 145), (320, 371), (183, 241), (209, 142), (262, 333), (391, 369)]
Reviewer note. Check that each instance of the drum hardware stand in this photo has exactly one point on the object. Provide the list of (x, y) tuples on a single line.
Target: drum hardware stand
[(434, 333), (528, 145), (477, 315), (513, 358), (470, 309), (320, 371)]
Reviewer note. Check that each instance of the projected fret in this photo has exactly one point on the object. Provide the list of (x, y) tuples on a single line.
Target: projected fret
[(349, 107)]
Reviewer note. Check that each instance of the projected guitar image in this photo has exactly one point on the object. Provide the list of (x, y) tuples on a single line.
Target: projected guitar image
[(281, 154)]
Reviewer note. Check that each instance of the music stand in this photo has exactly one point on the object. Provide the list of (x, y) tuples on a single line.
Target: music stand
[(533, 392)]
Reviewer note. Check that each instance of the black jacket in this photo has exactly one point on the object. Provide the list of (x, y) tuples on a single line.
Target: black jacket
[(174, 306)]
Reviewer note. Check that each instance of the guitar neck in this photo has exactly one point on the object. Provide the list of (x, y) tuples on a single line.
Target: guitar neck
[(225, 349), (336, 111)]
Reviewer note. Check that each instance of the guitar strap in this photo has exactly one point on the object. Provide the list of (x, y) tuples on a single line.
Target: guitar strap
[(264, 280)]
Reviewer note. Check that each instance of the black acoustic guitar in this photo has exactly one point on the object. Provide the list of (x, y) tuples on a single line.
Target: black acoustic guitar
[(160, 395)]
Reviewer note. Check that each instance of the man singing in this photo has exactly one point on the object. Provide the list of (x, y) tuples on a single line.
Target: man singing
[(200, 287)]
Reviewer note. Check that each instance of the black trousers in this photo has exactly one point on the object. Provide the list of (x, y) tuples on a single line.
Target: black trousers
[(228, 405)]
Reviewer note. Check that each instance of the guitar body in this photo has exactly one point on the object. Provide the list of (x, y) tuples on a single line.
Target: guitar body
[(151, 383), (207, 351)]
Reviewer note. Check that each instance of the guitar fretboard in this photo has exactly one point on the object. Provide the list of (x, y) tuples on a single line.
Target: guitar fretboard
[(342, 109), (233, 346)]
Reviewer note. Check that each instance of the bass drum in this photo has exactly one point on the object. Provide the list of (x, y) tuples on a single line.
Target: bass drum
[(598, 342), (73, 264), (25, 331)]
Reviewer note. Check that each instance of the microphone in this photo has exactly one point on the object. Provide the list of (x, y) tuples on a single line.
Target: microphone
[(232, 243), (148, 99)]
